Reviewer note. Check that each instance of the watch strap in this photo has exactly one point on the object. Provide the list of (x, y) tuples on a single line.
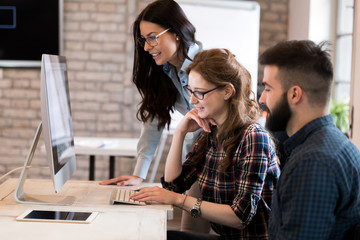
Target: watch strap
[(198, 203)]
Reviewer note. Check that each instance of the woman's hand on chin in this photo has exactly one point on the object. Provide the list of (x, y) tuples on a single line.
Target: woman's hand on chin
[(192, 122)]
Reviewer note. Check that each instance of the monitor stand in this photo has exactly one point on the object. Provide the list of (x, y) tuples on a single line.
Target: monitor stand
[(22, 197)]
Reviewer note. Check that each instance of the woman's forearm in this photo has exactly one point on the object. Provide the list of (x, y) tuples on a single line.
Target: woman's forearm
[(218, 213), (173, 163)]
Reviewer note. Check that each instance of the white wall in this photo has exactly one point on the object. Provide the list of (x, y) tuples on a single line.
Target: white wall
[(224, 25), (322, 20), (299, 17), (312, 19), (355, 77)]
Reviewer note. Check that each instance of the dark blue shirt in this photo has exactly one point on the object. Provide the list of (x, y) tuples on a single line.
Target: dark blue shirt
[(318, 193)]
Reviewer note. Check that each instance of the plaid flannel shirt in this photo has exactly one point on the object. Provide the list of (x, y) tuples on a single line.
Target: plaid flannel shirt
[(246, 186)]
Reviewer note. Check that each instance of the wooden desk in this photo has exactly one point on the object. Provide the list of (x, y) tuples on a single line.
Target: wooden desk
[(113, 222), (112, 147)]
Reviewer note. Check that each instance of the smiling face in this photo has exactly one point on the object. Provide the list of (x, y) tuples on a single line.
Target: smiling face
[(213, 106), (166, 49), (274, 98)]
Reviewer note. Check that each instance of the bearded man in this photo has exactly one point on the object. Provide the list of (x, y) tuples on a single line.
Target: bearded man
[(318, 193)]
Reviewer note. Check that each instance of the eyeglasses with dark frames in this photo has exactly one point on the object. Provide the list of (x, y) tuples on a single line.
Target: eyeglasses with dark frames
[(197, 94), (151, 40)]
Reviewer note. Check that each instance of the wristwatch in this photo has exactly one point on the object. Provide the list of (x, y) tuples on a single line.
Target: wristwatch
[(195, 210)]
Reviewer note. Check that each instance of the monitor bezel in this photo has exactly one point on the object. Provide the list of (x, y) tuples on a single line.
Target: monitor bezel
[(64, 173)]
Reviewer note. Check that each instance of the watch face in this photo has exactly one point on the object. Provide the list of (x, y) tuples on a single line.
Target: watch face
[(195, 213)]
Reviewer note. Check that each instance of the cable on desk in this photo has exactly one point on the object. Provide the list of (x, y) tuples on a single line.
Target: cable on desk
[(19, 168)]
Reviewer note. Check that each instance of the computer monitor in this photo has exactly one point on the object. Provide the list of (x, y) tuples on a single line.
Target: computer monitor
[(24, 19), (56, 129)]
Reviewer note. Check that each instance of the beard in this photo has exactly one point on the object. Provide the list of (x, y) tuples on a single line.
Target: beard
[(278, 118)]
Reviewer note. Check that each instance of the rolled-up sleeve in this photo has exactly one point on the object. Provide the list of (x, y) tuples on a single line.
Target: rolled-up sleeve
[(252, 161), (184, 181)]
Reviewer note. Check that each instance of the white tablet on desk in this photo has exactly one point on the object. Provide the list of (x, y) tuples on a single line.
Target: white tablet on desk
[(57, 216)]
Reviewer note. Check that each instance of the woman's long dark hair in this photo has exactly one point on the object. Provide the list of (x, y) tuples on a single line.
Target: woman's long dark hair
[(155, 87), (219, 67)]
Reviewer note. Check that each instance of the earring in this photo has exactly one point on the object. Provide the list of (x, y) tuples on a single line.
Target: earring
[(177, 38), (226, 98)]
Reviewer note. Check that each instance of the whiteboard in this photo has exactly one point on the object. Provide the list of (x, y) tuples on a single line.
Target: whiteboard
[(233, 25)]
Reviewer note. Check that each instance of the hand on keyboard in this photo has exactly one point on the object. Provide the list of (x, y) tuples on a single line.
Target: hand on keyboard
[(122, 195), (159, 195)]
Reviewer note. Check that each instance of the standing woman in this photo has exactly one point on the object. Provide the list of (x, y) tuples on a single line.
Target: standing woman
[(164, 46), (234, 163)]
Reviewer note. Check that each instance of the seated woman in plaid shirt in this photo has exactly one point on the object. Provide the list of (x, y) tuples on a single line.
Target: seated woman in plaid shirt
[(233, 159)]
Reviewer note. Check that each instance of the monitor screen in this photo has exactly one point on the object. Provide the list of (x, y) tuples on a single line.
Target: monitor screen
[(57, 132), (28, 29), (56, 118)]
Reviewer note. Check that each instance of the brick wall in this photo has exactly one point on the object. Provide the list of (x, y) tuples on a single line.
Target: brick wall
[(98, 47), (273, 27)]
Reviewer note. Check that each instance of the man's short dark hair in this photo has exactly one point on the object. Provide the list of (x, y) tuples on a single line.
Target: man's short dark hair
[(305, 64)]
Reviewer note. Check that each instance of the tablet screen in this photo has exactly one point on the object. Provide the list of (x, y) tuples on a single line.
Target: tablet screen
[(57, 216)]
